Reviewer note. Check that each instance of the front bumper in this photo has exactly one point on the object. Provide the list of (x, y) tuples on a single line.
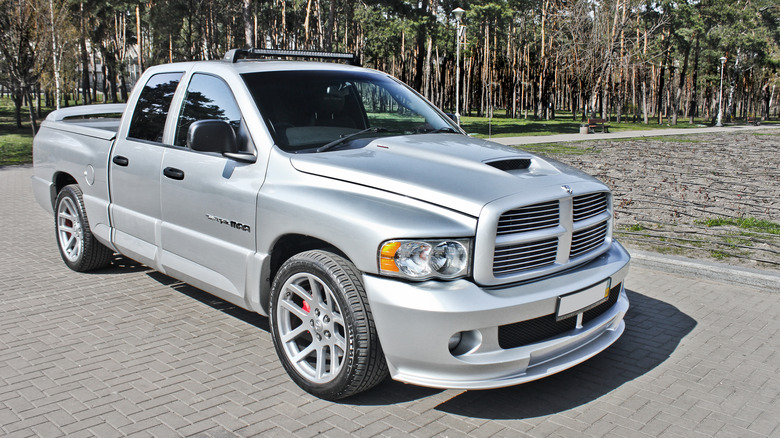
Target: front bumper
[(415, 322)]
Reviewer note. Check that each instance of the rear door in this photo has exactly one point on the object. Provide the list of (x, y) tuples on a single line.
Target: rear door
[(135, 171), (209, 201)]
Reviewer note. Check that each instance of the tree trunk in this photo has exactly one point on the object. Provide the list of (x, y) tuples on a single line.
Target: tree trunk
[(248, 33), (16, 96), (427, 86), (732, 85), (31, 107), (678, 93), (692, 103), (661, 79), (645, 117), (140, 39), (331, 25), (54, 54), (542, 63)]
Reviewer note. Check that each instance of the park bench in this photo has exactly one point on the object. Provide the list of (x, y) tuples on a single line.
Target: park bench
[(594, 124), (751, 120)]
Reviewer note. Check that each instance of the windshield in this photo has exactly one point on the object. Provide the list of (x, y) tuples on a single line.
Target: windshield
[(306, 110)]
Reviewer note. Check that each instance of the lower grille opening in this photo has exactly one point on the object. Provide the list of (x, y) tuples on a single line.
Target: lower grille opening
[(545, 327)]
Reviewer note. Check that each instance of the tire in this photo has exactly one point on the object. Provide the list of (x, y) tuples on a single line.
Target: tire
[(322, 326), (78, 247)]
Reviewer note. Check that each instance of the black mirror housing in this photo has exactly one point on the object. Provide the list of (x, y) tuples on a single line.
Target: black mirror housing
[(212, 136)]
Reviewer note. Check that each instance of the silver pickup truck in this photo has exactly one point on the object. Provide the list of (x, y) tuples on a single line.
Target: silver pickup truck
[(373, 232)]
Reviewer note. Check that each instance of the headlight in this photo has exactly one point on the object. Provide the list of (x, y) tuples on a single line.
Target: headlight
[(424, 259)]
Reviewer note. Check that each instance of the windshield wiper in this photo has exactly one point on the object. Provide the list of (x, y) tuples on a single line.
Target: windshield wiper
[(440, 130), (445, 129), (345, 138)]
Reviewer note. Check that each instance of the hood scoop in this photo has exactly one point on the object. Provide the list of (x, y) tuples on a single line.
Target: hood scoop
[(508, 165)]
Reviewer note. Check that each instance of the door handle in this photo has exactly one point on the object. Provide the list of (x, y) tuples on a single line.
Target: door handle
[(120, 160), (173, 173)]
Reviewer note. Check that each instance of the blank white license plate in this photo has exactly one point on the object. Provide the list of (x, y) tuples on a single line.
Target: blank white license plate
[(578, 302)]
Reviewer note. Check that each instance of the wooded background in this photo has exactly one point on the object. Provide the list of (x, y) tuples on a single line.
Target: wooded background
[(643, 60)]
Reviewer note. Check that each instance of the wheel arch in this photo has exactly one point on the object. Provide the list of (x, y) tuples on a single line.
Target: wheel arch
[(285, 247), (60, 180)]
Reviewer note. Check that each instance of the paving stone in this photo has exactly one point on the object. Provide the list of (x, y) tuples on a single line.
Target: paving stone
[(126, 351)]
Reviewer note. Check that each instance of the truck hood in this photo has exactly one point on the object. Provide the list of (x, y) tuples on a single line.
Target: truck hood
[(453, 171)]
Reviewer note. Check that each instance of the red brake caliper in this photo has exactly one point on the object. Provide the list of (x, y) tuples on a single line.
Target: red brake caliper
[(306, 307)]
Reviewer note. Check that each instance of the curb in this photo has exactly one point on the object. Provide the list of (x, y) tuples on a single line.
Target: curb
[(767, 281)]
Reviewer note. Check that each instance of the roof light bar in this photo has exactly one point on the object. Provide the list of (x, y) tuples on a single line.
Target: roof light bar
[(234, 55)]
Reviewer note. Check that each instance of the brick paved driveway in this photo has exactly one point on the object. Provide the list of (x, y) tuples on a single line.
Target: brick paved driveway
[(127, 351)]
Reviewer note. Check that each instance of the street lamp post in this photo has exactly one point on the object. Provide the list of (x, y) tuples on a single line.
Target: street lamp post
[(459, 36), (720, 95)]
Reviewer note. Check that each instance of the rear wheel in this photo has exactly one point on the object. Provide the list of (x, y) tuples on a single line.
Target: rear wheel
[(78, 247), (322, 326)]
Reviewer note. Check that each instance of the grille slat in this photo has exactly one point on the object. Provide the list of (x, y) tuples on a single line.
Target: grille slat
[(587, 206), (547, 209), (588, 239), (530, 218), (592, 240), (539, 264), (526, 256), (529, 259), (588, 234), (527, 226), (585, 249), (523, 247)]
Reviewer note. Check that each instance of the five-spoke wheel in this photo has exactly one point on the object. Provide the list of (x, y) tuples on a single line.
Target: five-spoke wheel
[(322, 326), (311, 327), (78, 247), (69, 231)]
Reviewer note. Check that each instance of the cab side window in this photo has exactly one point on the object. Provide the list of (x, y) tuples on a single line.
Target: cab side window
[(151, 110), (208, 98)]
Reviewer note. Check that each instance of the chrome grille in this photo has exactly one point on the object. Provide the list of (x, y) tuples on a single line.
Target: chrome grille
[(588, 239), (532, 217), (546, 237), (516, 258), (587, 206)]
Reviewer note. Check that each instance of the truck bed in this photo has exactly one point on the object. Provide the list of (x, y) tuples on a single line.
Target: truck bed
[(76, 142), (100, 121)]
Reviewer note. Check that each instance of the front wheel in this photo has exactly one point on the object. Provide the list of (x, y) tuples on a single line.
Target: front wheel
[(322, 326), (78, 247)]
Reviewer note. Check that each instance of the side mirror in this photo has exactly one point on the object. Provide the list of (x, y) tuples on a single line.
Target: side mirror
[(212, 136)]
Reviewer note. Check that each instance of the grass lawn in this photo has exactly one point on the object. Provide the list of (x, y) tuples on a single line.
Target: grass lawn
[(500, 126), (15, 143)]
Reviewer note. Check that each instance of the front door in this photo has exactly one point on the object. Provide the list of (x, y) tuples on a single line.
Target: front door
[(209, 201)]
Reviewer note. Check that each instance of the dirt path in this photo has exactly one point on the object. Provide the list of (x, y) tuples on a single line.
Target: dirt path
[(711, 196)]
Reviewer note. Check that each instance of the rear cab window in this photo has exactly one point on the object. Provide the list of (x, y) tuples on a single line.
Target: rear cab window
[(151, 110)]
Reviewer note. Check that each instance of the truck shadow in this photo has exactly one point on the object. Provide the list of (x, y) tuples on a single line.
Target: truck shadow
[(120, 265), (654, 329), (212, 301)]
